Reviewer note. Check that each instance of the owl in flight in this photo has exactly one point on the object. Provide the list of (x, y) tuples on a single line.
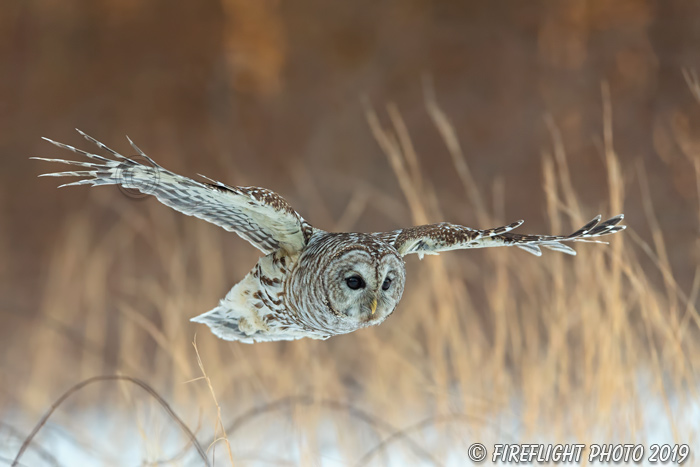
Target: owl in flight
[(310, 283)]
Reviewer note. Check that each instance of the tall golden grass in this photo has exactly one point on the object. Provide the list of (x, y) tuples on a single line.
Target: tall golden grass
[(495, 345)]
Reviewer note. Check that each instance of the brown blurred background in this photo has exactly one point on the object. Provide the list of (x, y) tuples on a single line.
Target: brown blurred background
[(273, 85), (270, 93)]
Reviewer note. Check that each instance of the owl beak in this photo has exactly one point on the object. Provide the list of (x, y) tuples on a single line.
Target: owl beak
[(374, 305)]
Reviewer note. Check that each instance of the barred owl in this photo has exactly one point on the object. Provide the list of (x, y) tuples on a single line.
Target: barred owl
[(310, 283)]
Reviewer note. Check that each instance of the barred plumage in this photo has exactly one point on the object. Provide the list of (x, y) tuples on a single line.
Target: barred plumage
[(310, 283)]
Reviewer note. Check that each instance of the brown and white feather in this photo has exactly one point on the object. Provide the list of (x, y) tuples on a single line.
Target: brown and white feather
[(310, 283), (258, 215)]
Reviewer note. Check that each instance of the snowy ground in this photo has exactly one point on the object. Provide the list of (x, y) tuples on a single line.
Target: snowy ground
[(121, 440)]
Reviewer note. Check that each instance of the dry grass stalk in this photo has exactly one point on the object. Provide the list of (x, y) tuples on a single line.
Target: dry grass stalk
[(553, 345)]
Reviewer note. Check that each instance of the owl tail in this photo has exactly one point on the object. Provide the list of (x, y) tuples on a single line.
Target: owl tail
[(222, 324)]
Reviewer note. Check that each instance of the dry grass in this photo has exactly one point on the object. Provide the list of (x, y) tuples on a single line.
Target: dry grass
[(496, 345)]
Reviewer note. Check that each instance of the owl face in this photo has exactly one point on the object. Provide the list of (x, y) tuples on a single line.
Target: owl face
[(364, 285)]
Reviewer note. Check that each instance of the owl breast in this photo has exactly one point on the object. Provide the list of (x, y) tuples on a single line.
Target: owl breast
[(264, 301), (255, 309)]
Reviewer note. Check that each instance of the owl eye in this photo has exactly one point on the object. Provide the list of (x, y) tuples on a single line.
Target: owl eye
[(386, 284), (355, 282)]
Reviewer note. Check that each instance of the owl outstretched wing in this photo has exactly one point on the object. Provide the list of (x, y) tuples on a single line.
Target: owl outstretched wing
[(258, 215), (435, 238)]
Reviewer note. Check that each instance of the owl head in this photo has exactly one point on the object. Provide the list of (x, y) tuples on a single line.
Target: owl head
[(345, 281), (363, 282)]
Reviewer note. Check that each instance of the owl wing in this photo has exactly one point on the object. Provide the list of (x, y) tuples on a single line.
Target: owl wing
[(258, 215), (435, 238)]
